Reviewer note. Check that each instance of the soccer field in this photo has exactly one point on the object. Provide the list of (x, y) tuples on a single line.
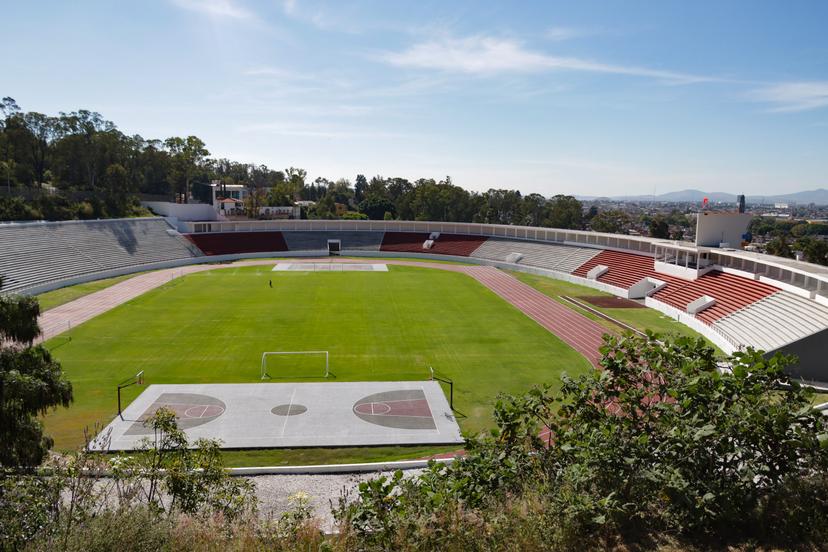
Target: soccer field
[(212, 327)]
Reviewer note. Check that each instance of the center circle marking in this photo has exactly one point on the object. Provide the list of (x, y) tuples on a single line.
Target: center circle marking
[(373, 408), (289, 409)]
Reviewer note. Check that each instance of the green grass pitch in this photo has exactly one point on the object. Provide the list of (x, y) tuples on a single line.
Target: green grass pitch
[(213, 327)]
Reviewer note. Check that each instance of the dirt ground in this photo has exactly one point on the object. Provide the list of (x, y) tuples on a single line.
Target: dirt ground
[(611, 302)]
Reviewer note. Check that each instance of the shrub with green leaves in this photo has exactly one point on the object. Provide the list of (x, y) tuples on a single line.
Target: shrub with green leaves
[(666, 439)]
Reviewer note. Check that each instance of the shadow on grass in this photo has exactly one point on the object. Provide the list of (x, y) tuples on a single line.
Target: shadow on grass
[(59, 341)]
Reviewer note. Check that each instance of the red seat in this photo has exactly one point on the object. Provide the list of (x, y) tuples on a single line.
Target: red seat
[(447, 244), (230, 243)]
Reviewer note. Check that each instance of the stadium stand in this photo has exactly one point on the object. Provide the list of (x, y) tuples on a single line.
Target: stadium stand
[(774, 320), (625, 269), (741, 310), (543, 255), (318, 241), (446, 244), (731, 293), (238, 242), (33, 254)]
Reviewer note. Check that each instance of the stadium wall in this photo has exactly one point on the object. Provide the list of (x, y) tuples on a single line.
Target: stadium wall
[(810, 355), (773, 270)]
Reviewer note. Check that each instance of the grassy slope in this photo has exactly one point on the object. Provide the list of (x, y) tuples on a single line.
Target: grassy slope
[(213, 326), (641, 319), (52, 299), (313, 456)]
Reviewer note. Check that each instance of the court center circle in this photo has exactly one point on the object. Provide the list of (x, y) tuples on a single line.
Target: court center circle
[(289, 409), (373, 408)]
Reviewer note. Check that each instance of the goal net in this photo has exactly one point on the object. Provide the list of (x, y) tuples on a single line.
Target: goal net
[(294, 364)]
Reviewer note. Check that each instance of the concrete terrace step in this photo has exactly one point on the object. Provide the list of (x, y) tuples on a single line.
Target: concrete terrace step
[(447, 244), (33, 254), (775, 320), (730, 291), (539, 254), (238, 242), (318, 241)]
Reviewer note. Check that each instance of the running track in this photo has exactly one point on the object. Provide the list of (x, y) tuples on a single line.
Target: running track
[(577, 331)]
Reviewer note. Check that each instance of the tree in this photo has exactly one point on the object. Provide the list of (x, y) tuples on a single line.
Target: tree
[(360, 187), (375, 206), (534, 210), (39, 132), (779, 246), (611, 221), (659, 228), (116, 187), (814, 249), (31, 383), (86, 146), (187, 154), (565, 212), (295, 181)]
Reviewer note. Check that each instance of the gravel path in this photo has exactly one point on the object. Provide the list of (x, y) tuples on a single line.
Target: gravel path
[(274, 492)]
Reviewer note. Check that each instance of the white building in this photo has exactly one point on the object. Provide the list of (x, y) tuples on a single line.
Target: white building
[(228, 199)]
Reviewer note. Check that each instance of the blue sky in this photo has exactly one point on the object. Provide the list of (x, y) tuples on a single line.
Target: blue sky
[(589, 98)]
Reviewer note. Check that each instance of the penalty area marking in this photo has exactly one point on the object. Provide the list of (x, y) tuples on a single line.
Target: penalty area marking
[(330, 267)]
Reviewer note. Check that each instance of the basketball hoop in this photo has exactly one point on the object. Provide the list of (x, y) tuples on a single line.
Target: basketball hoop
[(137, 379)]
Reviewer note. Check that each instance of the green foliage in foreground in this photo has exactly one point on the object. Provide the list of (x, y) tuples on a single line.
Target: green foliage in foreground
[(660, 450), (212, 327), (69, 505), (31, 383), (660, 443)]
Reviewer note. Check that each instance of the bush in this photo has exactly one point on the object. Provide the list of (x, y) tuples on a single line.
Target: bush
[(662, 441)]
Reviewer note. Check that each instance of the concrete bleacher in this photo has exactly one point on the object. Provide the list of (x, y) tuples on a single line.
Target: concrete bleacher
[(623, 269), (561, 258), (235, 243), (774, 320), (446, 244), (318, 241), (34, 254), (731, 293)]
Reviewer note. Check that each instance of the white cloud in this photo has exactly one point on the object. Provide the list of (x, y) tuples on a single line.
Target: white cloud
[(304, 130), (485, 55), (560, 34), (289, 6), (270, 72), (215, 8), (794, 96)]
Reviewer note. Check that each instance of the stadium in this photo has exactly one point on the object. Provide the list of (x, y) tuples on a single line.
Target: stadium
[(315, 340)]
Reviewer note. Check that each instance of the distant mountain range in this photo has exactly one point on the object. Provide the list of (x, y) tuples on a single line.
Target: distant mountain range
[(819, 197)]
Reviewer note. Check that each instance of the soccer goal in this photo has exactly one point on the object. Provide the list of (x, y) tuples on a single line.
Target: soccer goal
[(269, 363)]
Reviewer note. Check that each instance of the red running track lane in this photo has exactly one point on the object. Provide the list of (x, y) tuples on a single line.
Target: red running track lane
[(574, 329), (577, 331)]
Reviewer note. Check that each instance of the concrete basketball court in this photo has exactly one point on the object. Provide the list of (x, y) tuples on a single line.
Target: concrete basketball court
[(285, 415)]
